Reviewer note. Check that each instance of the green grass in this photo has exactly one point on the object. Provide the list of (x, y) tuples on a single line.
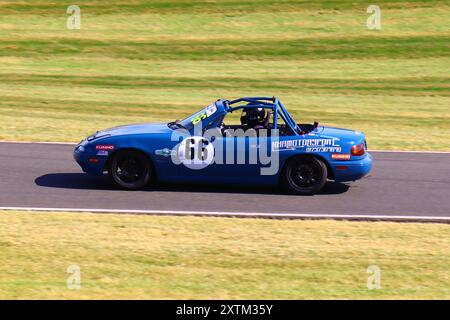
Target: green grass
[(149, 257), (139, 61)]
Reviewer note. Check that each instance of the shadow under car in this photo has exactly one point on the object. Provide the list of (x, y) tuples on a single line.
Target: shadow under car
[(88, 182)]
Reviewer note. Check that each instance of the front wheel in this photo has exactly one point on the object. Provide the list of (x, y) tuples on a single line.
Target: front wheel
[(130, 169), (304, 175)]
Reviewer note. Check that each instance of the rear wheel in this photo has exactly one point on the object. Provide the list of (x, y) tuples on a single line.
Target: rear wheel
[(304, 175), (130, 169)]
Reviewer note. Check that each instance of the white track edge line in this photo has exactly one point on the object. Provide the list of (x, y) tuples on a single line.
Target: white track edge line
[(74, 143), (236, 214)]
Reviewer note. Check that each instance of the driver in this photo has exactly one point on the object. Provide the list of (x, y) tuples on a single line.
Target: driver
[(254, 118)]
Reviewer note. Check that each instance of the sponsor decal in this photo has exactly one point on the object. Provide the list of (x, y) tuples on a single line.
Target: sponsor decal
[(104, 147), (211, 109), (165, 152), (324, 149), (340, 156), (102, 153), (310, 145)]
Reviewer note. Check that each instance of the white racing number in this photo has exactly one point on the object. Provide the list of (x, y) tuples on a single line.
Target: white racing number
[(196, 153)]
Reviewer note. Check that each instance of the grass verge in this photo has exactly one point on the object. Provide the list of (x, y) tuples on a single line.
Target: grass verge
[(151, 257)]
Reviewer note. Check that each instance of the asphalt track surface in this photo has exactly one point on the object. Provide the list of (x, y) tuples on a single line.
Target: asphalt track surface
[(402, 186)]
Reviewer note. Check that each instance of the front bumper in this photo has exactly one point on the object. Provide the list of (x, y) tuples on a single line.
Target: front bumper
[(352, 170), (85, 158)]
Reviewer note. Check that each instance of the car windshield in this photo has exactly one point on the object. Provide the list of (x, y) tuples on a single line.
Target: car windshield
[(190, 121), (196, 118)]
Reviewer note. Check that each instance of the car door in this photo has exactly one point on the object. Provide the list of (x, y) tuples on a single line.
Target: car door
[(240, 159)]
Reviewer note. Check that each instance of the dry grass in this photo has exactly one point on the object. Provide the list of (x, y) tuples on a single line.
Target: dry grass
[(148, 257)]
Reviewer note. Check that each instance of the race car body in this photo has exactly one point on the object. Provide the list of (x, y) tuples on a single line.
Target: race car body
[(267, 148)]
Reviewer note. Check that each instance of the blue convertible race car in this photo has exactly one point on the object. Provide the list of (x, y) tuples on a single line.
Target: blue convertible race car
[(267, 147)]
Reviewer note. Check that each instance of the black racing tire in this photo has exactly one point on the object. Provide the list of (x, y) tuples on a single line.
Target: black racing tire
[(304, 175), (130, 169)]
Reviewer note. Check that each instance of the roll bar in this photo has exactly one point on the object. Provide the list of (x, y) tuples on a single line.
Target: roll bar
[(267, 103)]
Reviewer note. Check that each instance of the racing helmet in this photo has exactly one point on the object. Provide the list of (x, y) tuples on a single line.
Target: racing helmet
[(252, 117)]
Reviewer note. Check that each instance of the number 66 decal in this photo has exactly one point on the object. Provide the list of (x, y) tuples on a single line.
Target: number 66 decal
[(196, 153)]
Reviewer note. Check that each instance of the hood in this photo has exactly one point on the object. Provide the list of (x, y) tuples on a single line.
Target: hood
[(134, 129)]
